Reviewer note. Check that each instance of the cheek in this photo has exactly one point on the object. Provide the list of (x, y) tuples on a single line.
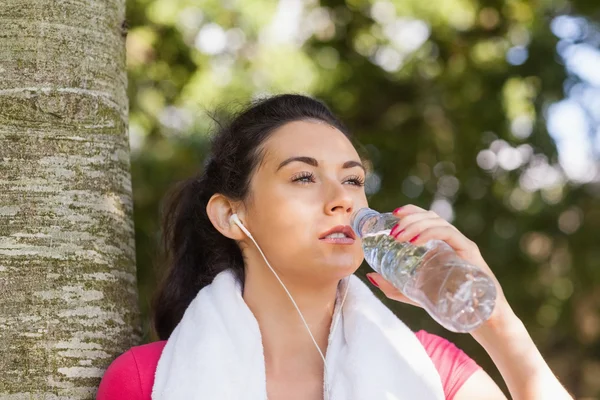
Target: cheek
[(283, 221), (282, 210), (291, 227)]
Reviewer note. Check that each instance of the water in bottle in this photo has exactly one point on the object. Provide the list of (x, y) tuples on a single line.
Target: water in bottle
[(456, 294)]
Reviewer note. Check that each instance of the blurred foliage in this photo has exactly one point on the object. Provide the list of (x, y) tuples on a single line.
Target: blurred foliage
[(453, 100)]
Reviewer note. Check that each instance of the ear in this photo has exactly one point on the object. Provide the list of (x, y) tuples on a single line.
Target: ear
[(219, 209)]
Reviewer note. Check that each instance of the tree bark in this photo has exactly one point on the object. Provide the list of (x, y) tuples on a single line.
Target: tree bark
[(68, 297)]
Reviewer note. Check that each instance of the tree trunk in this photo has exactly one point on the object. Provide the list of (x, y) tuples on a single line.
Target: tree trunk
[(68, 297)]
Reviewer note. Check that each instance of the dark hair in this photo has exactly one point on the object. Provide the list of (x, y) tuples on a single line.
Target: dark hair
[(194, 251)]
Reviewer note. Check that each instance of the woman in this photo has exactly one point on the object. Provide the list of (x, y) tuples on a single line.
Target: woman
[(287, 169)]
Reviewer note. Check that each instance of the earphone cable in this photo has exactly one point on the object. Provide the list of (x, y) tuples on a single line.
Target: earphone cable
[(243, 228)]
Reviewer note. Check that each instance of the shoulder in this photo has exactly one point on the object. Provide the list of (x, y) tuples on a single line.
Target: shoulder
[(434, 343), (131, 375), (453, 365)]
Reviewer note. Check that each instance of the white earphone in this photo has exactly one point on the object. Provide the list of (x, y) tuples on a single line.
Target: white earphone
[(236, 220)]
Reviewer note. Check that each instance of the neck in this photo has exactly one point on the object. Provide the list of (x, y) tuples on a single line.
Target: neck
[(286, 342)]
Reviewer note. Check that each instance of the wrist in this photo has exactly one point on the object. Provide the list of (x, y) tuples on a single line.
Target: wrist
[(503, 325)]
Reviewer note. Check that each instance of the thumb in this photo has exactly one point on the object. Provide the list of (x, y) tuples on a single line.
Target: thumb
[(388, 289)]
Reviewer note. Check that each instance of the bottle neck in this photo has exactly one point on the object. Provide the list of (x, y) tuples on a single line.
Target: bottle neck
[(360, 218)]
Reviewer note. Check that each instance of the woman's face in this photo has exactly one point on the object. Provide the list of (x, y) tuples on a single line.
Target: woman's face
[(309, 182)]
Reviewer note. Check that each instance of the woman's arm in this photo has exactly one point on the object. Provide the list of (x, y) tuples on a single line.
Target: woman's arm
[(522, 367), (525, 372)]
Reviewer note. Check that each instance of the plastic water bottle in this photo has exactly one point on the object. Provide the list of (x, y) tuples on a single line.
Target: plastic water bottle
[(458, 295)]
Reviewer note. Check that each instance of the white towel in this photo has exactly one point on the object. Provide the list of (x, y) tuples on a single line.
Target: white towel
[(216, 353)]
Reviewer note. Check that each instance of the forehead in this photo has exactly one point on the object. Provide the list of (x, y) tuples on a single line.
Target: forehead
[(314, 139)]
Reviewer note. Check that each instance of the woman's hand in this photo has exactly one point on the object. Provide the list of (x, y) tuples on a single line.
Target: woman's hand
[(419, 226)]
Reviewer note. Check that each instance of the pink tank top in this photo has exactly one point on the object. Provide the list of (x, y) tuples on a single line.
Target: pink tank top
[(131, 375)]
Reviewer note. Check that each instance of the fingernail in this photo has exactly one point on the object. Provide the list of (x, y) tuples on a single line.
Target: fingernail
[(414, 239), (399, 233), (394, 230), (397, 210), (372, 281)]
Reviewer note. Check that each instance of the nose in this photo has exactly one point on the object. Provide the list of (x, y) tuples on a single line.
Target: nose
[(340, 201)]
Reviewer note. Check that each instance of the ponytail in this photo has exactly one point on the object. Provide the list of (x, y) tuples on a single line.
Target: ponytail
[(194, 251)]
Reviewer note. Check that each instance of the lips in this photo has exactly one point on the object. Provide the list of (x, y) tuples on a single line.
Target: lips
[(346, 230)]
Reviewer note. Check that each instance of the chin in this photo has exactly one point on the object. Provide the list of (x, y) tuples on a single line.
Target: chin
[(341, 270)]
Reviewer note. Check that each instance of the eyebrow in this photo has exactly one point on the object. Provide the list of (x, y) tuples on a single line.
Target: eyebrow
[(315, 163)]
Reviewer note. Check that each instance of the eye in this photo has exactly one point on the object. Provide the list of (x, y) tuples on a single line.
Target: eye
[(355, 180), (304, 177)]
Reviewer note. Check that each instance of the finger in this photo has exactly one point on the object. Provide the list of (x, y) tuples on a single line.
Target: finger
[(407, 209), (388, 289), (416, 228), (405, 222)]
